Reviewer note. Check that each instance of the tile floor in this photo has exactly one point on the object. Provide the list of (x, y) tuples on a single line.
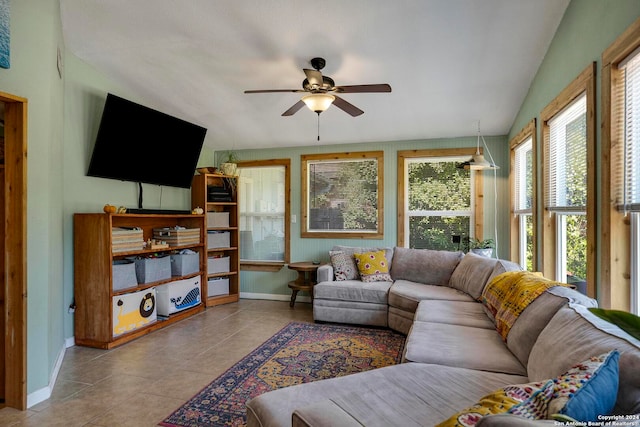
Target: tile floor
[(142, 382)]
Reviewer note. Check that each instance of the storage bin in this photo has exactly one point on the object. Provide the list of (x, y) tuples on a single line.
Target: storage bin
[(153, 269), (177, 236), (184, 264), (124, 274), (218, 239), (218, 286), (179, 295), (217, 219), (218, 265), (133, 310)]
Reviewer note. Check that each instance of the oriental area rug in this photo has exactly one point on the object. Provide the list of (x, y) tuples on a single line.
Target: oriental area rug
[(299, 353)]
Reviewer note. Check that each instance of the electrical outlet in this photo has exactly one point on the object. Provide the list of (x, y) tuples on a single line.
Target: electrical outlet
[(294, 219)]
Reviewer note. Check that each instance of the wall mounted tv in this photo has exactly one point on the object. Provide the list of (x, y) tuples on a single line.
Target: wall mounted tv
[(143, 145)]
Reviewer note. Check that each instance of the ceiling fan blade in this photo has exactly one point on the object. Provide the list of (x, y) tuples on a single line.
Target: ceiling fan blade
[(273, 90), (294, 108), (363, 88), (347, 107), (314, 77)]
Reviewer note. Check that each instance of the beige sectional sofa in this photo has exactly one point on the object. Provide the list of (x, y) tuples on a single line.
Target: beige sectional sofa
[(457, 349)]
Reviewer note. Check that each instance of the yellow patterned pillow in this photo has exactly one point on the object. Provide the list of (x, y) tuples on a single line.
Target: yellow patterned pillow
[(373, 266), (525, 400)]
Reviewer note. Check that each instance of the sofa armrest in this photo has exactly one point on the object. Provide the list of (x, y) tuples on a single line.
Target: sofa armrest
[(509, 420), (325, 273), (325, 413)]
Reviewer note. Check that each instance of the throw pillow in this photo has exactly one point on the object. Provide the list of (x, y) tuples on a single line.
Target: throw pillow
[(588, 389), (373, 266), (344, 266), (524, 400)]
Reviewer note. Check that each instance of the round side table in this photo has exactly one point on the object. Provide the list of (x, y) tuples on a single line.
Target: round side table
[(305, 281)]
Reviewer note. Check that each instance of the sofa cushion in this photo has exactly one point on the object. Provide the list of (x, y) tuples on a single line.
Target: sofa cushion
[(528, 401), (536, 316), (502, 266), (424, 265), (472, 273), (573, 335), (588, 389), (350, 250), (373, 266), (509, 294), (409, 394), (344, 266), (463, 313), (406, 294), (353, 290), (460, 346)]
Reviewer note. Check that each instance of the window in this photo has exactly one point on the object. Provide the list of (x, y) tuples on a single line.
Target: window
[(621, 174), (342, 195), (522, 197), (630, 188), (439, 203), (264, 214), (569, 219)]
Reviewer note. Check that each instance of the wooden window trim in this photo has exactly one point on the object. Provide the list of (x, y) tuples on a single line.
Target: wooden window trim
[(529, 131), (584, 83), (478, 207), (264, 265), (304, 159), (615, 283)]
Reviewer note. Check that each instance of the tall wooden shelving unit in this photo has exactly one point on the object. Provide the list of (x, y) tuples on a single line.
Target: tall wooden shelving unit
[(199, 198), (93, 274)]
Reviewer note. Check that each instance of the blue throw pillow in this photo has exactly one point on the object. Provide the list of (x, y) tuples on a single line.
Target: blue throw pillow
[(588, 389)]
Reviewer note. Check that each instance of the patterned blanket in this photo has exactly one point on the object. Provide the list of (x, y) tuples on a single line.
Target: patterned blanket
[(508, 294)]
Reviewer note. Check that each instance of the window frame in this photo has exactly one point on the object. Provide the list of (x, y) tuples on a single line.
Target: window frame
[(615, 286), (304, 202), (516, 223), (478, 191), (583, 84), (275, 265)]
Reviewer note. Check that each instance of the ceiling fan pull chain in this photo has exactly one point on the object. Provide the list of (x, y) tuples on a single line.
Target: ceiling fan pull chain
[(318, 126)]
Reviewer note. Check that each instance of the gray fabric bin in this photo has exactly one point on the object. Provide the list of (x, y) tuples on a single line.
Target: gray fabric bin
[(183, 264), (124, 274), (153, 269)]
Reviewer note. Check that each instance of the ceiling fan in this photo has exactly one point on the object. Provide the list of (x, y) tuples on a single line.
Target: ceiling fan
[(322, 92)]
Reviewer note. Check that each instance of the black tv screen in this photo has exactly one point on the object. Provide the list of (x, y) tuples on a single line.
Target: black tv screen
[(140, 144)]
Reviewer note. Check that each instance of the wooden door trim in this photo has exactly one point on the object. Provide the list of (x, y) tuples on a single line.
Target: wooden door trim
[(15, 230)]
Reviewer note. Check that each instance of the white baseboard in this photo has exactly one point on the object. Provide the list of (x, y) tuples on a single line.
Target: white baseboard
[(45, 392), (273, 297)]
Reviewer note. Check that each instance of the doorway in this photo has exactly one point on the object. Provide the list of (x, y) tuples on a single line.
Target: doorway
[(13, 265)]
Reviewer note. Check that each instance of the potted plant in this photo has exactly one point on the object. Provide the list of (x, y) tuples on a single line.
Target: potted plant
[(229, 164), (481, 247), (628, 322)]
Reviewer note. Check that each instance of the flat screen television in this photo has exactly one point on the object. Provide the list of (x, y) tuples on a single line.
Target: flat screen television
[(143, 145)]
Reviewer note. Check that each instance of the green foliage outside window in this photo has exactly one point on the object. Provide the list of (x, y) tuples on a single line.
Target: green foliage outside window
[(442, 187), (344, 195)]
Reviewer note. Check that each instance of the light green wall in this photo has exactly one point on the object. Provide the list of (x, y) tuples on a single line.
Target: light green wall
[(35, 37), (587, 29), (275, 284)]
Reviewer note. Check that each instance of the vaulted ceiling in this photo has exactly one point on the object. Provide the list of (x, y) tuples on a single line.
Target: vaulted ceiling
[(450, 63)]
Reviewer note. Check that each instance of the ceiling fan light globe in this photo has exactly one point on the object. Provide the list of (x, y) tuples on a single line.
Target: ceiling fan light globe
[(318, 102)]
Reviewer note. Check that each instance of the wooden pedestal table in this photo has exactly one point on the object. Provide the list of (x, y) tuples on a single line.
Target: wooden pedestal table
[(305, 281)]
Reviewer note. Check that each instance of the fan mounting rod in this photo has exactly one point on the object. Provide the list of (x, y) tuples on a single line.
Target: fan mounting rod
[(318, 63)]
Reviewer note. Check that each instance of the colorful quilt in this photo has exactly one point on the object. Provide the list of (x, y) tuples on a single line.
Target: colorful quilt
[(508, 294)]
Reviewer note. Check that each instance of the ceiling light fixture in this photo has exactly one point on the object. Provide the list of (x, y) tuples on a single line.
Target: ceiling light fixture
[(478, 162), (318, 102)]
